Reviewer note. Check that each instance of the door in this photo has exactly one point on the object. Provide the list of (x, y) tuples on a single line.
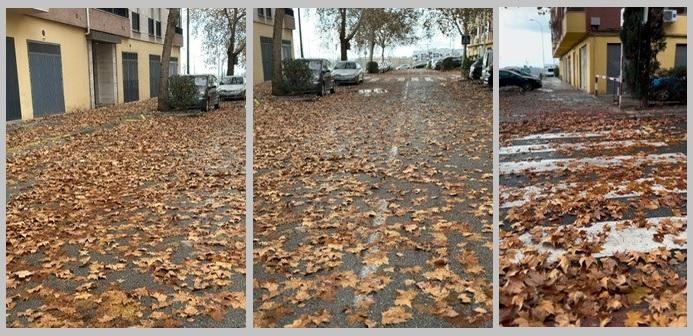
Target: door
[(103, 55), (613, 64), (14, 108), (680, 56), (583, 68), (266, 53), (46, 75), (154, 71), (131, 85), (173, 66)]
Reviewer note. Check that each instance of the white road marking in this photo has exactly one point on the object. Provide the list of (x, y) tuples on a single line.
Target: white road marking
[(366, 270), (604, 161), (561, 135), (544, 148), (428, 79), (415, 79), (375, 79), (387, 79), (406, 91), (401, 79), (629, 239), (617, 191)]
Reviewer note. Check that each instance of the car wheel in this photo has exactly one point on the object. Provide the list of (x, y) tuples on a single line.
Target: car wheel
[(526, 87), (322, 90), (205, 106), (333, 89), (216, 106)]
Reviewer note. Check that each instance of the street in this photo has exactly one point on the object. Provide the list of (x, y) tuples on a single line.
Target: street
[(373, 206), (592, 210), (126, 217)]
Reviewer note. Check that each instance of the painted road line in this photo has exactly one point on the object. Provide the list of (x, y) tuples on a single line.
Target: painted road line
[(428, 79), (539, 166), (534, 192), (628, 239), (400, 79), (561, 135), (387, 79), (415, 79), (545, 148), (375, 79)]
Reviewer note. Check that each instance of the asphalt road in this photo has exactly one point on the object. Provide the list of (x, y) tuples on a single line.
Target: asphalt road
[(124, 217), (373, 205), (581, 181)]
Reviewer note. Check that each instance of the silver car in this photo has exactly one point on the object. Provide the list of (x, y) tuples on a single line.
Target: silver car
[(348, 72), (232, 87)]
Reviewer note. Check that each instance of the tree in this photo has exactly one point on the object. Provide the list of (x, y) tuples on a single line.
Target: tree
[(459, 20), (223, 27), (346, 21), (397, 28), (277, 51), (173, 17), (642, 41)]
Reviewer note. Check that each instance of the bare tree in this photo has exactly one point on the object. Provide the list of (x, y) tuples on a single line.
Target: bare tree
[(173, 17), (221, 27), (277, 50), (346, 21)]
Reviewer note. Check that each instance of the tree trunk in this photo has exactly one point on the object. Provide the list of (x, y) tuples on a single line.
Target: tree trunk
[(382, 53), (277, 50), (343, 42), (230, 56), (372, 47), (162, 101)]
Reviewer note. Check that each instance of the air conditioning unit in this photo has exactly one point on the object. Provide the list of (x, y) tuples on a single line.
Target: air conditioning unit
[(669, 15)]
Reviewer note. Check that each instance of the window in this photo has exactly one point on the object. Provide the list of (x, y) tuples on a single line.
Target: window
[(286, 50), (124, 12), (158, 28), (680, 55), (136, 22), (268, 13), (150, 24), (261, 12)]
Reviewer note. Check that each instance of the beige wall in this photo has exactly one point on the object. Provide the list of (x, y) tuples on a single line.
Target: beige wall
[(260, 29), (143, 50), (73, 49)]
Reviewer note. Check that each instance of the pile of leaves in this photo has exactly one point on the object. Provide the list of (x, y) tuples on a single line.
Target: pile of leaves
[(374, 211), (122, 217)]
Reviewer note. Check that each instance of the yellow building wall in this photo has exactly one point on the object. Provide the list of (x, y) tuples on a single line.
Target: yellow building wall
[(143, 50), (74, 58), (260, 29), (667, 56)]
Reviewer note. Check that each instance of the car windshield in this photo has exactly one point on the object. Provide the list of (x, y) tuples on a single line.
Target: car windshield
[(201, 81), (314, 65), (231, 80), (345, 65)]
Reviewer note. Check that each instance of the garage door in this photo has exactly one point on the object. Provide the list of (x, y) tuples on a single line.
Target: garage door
[(613, 65), (14, 109), (131, 86), (45, 73), (154, 71)]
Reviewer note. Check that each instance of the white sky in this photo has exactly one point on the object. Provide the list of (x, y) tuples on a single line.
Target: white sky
[(197, 58), (520, 39), (317, 45)]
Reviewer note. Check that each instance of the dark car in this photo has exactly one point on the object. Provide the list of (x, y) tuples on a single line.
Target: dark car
[(323, 79), (487, 68), (455, 62), (512, 78), (668, 88), (475, 69), (207, 95)]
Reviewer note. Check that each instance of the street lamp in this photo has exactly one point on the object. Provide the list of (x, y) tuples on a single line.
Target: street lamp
[(541, 29)]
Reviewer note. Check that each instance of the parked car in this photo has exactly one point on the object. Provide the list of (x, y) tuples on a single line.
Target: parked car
[(420, 65), (455, 61), (323, 79), (668, 88), (403, 67), (348, 72), (475, 69), (513, 78), (232, 87), (385, 66), (549, 71), (487, 68), (207, 95)]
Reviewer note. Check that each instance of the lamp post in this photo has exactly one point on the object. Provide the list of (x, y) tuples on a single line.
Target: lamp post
[(541, 29)]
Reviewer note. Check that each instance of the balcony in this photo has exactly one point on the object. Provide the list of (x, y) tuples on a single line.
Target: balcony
[(568, 27)]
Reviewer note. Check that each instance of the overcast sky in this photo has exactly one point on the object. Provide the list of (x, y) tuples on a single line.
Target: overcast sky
[(520, 39), (317, 45)]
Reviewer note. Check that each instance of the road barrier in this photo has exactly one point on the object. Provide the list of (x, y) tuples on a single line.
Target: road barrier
[(617, 85)]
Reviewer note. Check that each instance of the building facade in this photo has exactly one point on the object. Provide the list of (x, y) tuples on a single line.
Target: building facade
[(263, 31), (481, 37), (586, 41), (65, 59)]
